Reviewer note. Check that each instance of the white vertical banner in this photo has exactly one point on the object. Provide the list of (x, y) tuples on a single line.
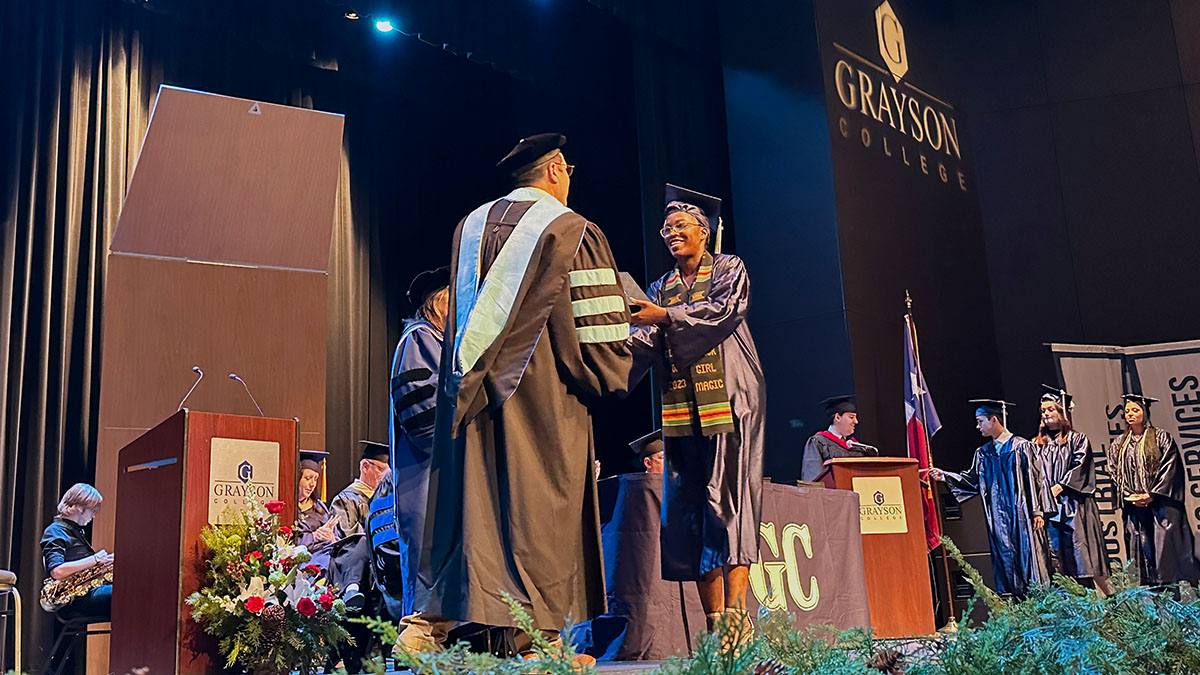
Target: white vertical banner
[(1092, 375), (1171, 373)]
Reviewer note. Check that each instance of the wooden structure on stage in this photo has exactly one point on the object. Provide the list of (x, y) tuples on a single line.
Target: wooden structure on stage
[(174, 480), (893, 541), (219, 261)]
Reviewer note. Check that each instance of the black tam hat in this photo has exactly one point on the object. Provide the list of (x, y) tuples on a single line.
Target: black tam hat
[(706, 209), (426, 283), (1059, 396), (839, 405), (648, 445), (992, 407), (528, 151), (374, 450), (1143, 401)]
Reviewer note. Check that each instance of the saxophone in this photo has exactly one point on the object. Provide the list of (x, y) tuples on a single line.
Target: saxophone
[(58, 593)]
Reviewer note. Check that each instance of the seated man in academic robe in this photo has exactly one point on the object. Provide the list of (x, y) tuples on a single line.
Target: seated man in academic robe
[(836, 441), (350, 558)]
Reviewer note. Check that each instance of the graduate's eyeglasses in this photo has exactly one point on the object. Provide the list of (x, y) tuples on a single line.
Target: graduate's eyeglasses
[(668, 230), (569, 168)]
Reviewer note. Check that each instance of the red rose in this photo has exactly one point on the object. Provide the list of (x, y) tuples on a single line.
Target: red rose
[(255, 604), (285, 530), (275, 507), (306, 607), (313, 570), (326, 601)]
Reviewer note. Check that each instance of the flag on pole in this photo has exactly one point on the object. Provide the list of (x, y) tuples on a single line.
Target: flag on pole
[(922, 425)]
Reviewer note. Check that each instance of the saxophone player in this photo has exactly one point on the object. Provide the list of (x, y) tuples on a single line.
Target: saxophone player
[(66, 551)]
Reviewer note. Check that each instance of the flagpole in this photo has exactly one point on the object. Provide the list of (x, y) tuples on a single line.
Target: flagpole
[(952, 623)]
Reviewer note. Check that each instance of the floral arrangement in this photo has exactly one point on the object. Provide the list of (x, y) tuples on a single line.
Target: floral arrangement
[(272, 612)]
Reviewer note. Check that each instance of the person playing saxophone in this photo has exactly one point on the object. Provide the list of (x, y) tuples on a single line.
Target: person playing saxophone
[(68, 556)]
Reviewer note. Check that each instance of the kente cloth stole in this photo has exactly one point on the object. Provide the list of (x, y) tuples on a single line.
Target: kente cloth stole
[(694, 398)]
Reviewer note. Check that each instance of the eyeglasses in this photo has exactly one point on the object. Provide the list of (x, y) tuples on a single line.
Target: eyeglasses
[(668, 230), (570, 168)]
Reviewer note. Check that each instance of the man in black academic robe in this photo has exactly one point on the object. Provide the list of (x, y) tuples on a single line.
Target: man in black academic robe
[(536, 332), (836, 441)]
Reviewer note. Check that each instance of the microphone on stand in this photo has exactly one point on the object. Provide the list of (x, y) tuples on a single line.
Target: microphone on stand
[(234, 376), (864, 446), (200, 373)]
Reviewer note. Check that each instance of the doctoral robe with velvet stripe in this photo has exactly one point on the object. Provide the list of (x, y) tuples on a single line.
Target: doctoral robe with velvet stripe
[(414, 395), (512, 494), (712, 485)]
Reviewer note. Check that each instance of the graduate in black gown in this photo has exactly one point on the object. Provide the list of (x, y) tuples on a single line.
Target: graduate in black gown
[(694, 325), (836, 441), (1148, 472), (1015, 500), (1074, 533), (314, 526)]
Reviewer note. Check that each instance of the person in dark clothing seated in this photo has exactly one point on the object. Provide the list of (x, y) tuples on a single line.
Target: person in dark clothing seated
[(66, 550), (312, 515)]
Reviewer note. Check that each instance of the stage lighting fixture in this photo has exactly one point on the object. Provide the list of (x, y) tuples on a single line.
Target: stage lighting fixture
[(384, 26)]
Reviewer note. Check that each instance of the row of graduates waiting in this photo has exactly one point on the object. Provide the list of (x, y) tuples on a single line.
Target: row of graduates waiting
[(1041, 506), (491, 488)]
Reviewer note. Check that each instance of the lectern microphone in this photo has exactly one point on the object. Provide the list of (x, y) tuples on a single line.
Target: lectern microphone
[(200, 376), (234, 376), (864, 446)]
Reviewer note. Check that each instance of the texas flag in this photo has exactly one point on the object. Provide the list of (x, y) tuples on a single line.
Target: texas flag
[(922, 425)]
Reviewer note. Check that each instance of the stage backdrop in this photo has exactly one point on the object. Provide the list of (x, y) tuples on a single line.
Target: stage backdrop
[(1097, 376)]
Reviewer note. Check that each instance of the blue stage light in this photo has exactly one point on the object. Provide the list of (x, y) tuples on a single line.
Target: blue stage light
[(384, 26)]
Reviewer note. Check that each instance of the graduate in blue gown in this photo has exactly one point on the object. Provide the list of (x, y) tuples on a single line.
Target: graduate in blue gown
[(1015, 500), (694, 325)]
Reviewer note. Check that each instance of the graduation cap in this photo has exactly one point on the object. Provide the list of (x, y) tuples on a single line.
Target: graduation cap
[(991, 407), (1060, 397), (375, 450), (1143, 401), (706, 209), (427, 282), (839, 405), (529, 151), (312, 460), (648, 445)]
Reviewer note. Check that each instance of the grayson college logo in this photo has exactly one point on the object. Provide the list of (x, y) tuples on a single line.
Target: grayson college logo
[(887, 114), (891, 40), (245, 472), (879, 498)]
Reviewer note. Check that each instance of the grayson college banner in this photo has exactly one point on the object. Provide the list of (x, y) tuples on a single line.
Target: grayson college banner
[(1097, 375)]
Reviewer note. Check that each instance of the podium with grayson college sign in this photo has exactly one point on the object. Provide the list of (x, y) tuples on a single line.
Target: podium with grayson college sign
[(893, 540), (172, 481)]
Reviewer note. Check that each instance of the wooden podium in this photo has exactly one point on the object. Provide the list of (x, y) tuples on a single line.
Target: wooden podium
[(171, 480), (893, 539)]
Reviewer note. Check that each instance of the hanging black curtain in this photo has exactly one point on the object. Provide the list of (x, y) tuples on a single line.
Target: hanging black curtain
[(75, 97)]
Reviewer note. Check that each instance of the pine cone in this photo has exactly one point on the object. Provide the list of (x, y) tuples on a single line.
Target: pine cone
[(272, 623), (886, 661)]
